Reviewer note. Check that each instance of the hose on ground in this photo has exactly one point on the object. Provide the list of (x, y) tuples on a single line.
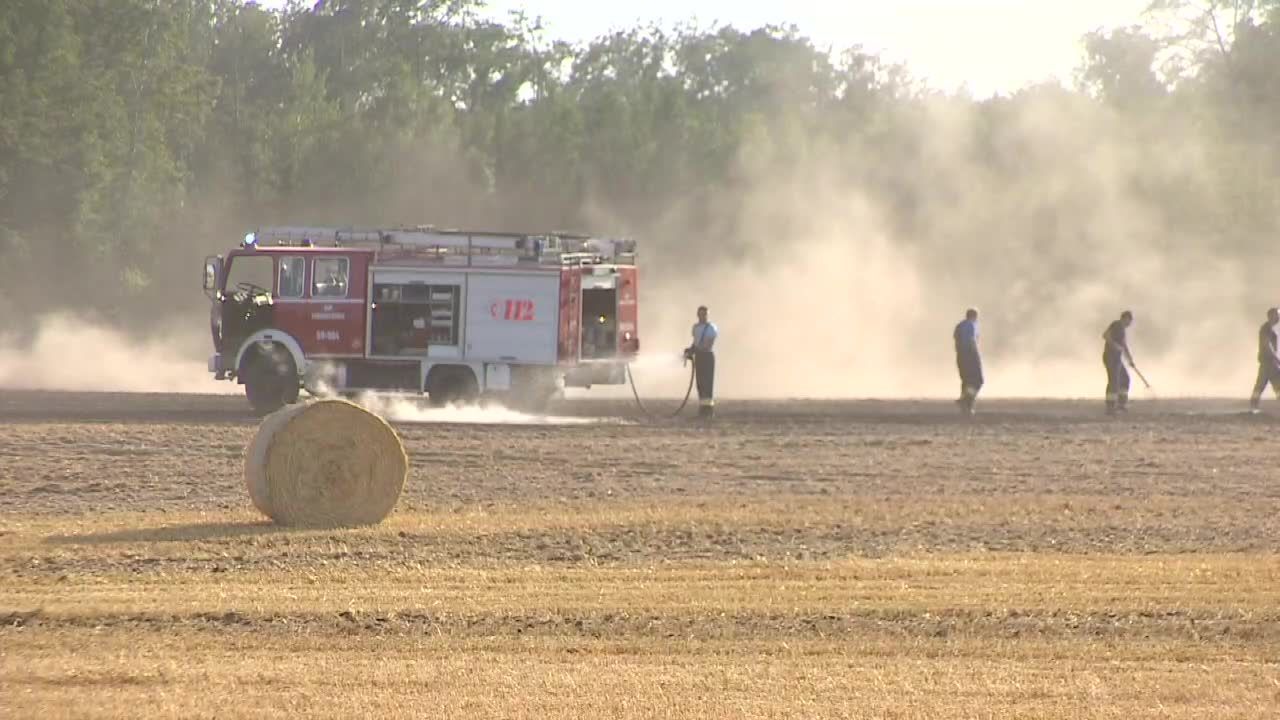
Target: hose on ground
[(687, 393)]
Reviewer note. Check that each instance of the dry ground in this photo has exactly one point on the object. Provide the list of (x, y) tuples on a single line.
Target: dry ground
[(798, 559)]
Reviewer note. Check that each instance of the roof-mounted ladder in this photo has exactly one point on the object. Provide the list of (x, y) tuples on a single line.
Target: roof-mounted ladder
[(552, 248)]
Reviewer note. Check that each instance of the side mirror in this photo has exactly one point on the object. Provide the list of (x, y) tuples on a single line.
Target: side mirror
[(211, 267)]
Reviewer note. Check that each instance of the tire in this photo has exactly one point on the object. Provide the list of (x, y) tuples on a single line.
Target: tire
[(449, 385), (270, 381)]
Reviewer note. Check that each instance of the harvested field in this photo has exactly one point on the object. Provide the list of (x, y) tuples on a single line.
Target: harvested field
[(798, 559)]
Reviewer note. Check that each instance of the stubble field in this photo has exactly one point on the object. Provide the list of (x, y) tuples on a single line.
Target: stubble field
[(796, 559)]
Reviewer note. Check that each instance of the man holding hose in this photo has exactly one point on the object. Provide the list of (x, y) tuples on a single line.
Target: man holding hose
[(702, 353), (1114, 354)]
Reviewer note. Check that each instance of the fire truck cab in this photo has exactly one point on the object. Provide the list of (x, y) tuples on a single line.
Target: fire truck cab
[(450, 313)]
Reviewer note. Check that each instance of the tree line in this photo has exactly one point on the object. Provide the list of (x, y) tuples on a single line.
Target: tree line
[(136, 136)]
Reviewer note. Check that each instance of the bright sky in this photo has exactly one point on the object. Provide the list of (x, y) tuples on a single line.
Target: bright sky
[(985, 45)]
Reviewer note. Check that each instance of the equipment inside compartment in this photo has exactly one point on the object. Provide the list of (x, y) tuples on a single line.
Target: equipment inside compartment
[(408, 318), (599, 323)]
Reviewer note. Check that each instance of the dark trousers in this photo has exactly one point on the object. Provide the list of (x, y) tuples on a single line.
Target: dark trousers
[(970, 366), (1268, 374), (704, 370), (1117, 382)]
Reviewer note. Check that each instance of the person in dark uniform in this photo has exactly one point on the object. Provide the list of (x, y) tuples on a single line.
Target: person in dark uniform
[(1114, 355), (968, 360), (702, 353), (1268, 360)]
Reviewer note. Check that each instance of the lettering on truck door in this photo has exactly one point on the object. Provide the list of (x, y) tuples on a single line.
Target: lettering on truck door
[(329, 320)]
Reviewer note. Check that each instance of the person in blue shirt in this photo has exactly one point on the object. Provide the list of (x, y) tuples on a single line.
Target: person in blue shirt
[(702, 353), (968, 360)]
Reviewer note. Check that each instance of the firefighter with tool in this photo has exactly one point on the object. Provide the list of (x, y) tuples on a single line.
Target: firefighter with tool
[(702, 353), (1115, 353), (1268, 360), (968, 360)]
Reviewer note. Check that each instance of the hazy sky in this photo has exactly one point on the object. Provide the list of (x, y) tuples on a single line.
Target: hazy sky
[(986, 45)]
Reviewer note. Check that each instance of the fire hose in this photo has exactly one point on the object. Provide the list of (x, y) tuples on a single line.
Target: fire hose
[(693, 367)]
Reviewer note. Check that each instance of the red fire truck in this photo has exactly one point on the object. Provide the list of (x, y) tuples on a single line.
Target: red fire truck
[(453, 314)]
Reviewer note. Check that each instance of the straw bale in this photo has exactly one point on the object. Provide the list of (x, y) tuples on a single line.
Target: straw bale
[(329, 463)]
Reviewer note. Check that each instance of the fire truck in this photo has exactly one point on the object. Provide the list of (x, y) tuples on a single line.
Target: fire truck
[(452, 314)]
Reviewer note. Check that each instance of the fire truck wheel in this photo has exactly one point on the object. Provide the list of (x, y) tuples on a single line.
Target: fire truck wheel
[(270, 381), (447, 385)]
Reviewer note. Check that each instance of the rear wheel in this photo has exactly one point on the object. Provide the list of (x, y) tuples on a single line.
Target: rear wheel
[(452, 384), (270, 381)]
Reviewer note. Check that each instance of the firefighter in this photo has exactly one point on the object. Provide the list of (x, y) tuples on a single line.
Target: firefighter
[(1115, 353), (968, 360), (702, 353), (1268, 360)]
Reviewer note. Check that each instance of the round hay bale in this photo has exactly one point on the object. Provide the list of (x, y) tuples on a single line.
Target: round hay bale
[(329, 463)]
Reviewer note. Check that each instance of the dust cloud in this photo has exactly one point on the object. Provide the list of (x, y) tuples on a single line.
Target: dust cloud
[(406, 410), (833, 271), (69, 353), (824, 295)]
